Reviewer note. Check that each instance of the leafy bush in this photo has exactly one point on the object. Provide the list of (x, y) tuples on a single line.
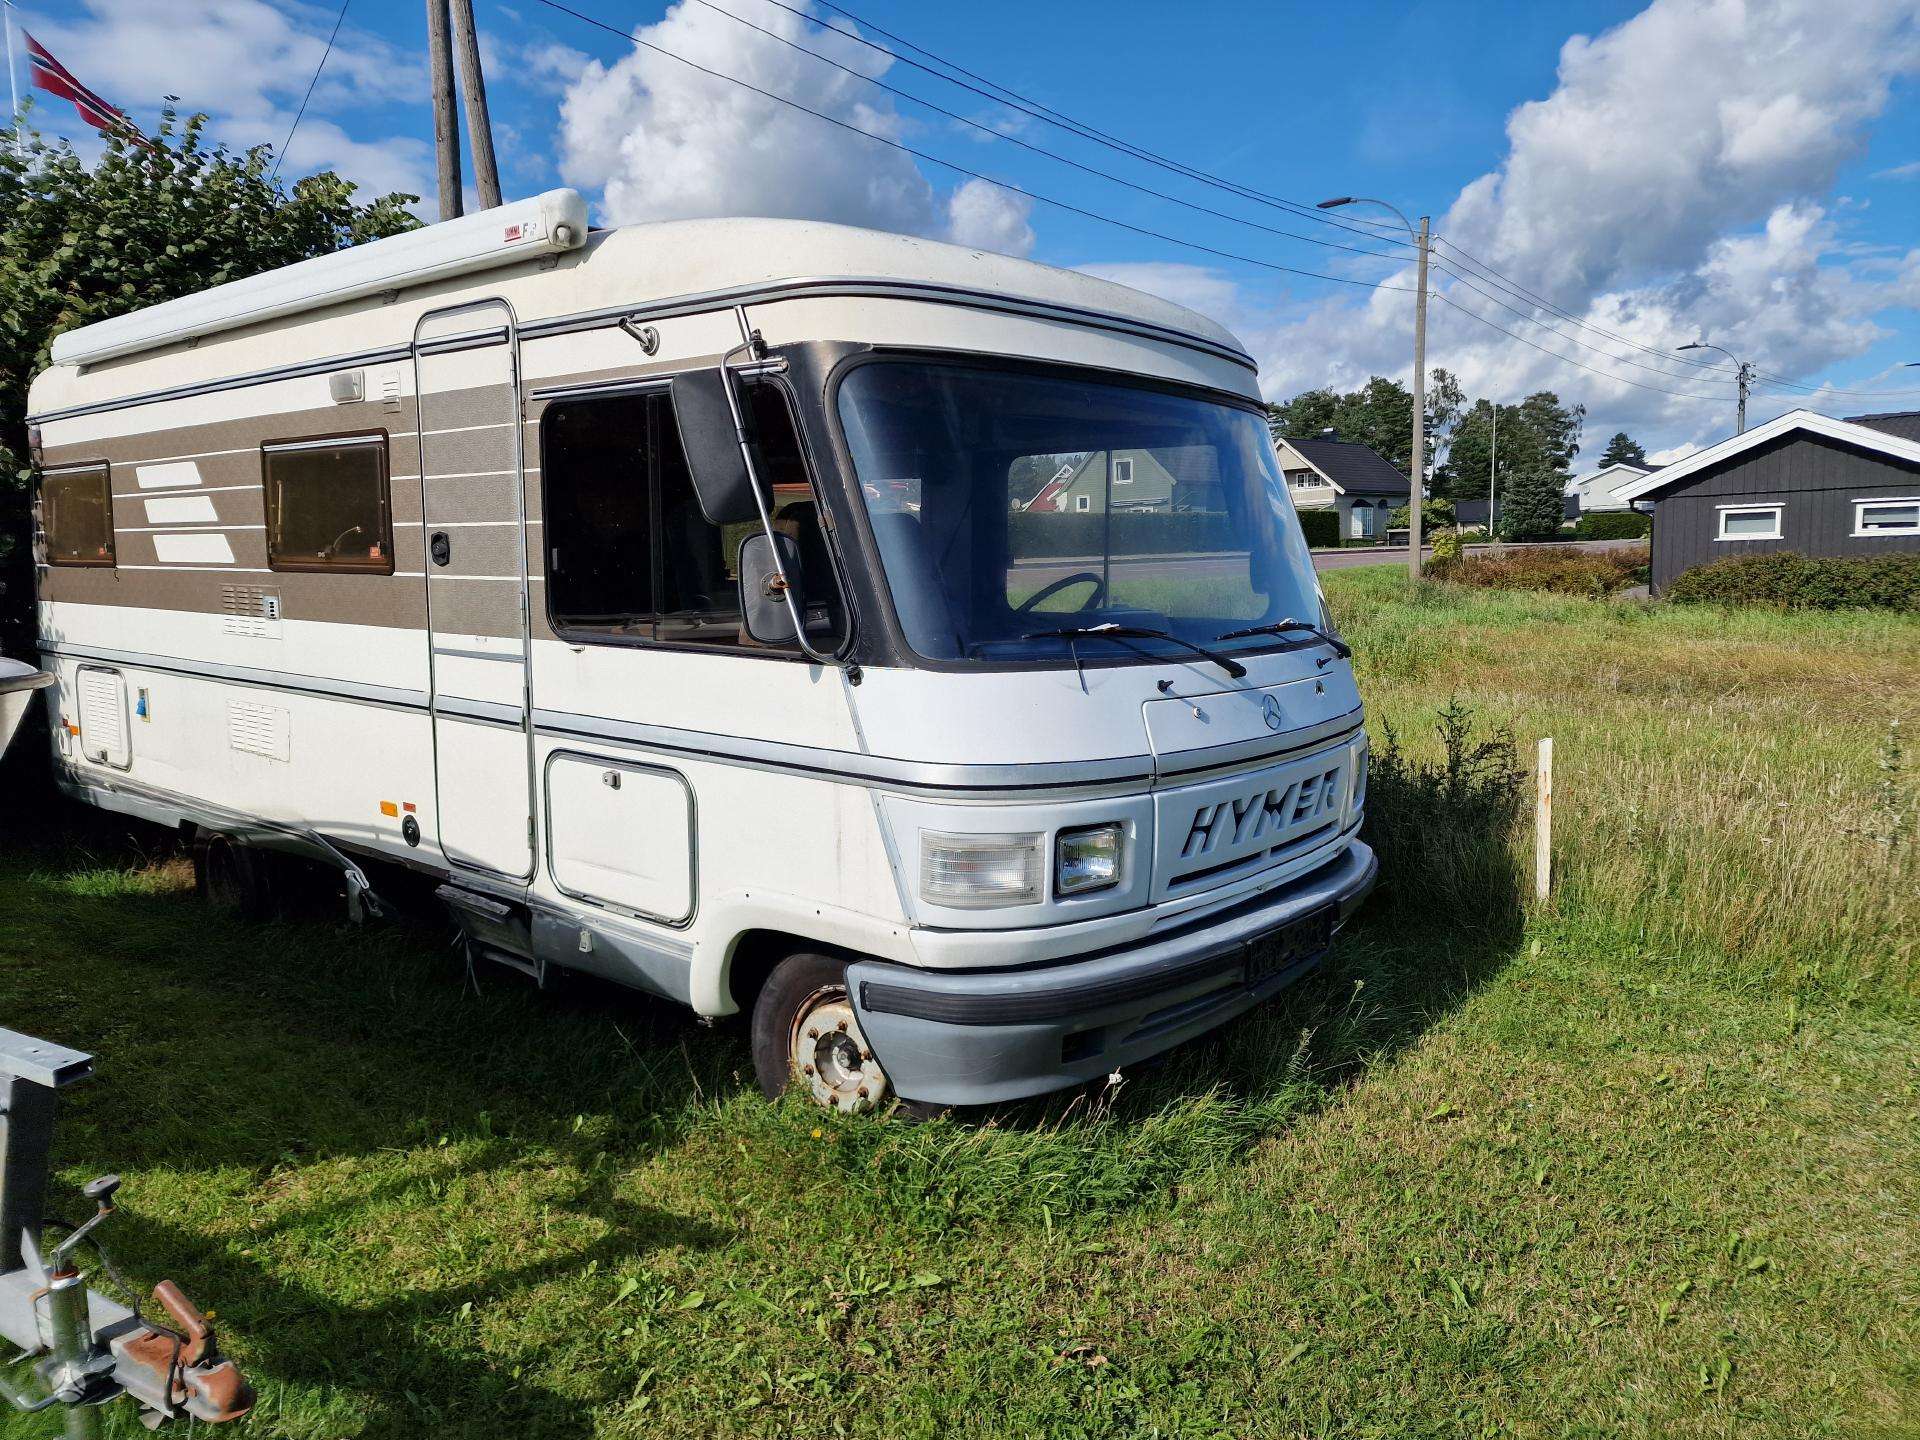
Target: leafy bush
[(1322, 528), (1614, 525), (1434, 515), (1559, 568), (1447, 547), (1802, 582)]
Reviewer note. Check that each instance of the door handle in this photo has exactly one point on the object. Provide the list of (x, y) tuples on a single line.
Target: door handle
[(440, 548)]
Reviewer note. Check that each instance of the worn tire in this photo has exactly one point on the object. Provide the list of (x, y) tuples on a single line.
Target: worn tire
[(233, 877), (845, 1075)]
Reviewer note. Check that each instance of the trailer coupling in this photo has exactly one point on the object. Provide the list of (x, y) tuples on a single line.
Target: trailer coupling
[(78, 1348)]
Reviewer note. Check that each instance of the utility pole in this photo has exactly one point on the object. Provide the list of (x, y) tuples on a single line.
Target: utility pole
[(1493, 468), (446, 117), (1743, 374), (1417, 480), (473, 91), (1418, 470)]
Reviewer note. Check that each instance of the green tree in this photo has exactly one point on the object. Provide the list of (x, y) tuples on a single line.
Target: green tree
[(1378, 415), (1538, 433), (80, 242), (1623, 449), (1557, 427), (1531, 507)]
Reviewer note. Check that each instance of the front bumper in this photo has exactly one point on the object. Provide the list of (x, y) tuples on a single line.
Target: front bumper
[(972, 1037)]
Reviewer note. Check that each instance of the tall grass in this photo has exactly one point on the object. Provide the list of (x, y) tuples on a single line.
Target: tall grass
[(1731, 794)]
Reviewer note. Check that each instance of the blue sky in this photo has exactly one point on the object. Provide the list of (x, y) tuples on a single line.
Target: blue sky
[(1746, 170)]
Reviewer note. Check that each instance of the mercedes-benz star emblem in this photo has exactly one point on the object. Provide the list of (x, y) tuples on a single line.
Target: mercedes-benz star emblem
[(1270, 709)]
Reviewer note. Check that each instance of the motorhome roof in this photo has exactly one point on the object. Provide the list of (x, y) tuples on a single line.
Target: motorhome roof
[(635, 265)]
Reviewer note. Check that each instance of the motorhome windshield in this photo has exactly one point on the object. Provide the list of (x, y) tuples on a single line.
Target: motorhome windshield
[(1031, 517)]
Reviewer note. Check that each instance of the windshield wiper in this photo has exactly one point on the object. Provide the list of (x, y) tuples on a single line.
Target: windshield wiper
[(1283, 627), (1112, 630)]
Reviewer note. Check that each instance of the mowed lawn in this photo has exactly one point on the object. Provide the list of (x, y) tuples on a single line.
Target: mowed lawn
[(1645, 1161)]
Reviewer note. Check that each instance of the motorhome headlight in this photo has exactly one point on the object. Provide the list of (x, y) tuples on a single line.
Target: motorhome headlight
[(1087, 859), (981, 872)]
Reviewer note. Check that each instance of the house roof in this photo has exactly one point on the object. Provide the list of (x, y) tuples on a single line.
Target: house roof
[(1904, 423), (1848, 432), (1353, 468)]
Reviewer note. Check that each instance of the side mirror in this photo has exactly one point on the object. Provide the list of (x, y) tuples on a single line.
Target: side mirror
[(712, 445), (767, 578)]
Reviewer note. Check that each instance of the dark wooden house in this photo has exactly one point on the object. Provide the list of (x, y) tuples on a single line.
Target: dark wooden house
[(1803, 482)]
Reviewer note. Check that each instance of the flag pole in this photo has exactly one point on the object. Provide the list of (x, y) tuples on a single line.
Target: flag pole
[(13, 85)]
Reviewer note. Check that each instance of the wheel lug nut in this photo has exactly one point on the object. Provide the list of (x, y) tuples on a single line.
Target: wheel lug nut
[(834, 1100), (866, 1055), (861, 1092), (806, 1070), (813, 1032), (841, 1026)]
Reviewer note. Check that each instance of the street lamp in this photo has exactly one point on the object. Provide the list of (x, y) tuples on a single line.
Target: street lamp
[(1416, 480), (1744, 374)]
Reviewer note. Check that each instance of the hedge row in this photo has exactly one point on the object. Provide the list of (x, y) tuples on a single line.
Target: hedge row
[(1133, 532), (1559, 568), (1802, 582), (1321, 527), (1614, 525)]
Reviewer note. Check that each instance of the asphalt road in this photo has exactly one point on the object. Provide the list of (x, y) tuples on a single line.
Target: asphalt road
[(1045, 572)]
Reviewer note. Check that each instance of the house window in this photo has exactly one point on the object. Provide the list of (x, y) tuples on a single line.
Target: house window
[(1887, 517), (1749, 522), (1123, 472), (1083, 502), (327, 504), (1303, 480), (76, 516), (630, 554)]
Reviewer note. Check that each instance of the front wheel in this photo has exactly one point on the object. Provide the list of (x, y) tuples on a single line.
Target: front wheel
[(805, 1031), (233, 877)]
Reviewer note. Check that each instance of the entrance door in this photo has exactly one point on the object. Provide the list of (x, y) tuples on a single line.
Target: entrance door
[(466, 364)]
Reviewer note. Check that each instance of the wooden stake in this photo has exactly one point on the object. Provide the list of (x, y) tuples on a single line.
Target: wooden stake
[(1543, 822)]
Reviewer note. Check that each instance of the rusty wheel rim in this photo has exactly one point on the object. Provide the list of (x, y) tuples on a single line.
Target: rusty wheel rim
[(831, 1057)]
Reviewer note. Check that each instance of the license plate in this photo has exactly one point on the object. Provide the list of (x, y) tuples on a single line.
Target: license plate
[(1289, 945)]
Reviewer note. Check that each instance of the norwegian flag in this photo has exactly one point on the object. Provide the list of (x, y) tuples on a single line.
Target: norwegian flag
[(50, 75)]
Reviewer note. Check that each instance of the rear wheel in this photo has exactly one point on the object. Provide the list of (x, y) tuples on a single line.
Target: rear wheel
[(233, 877), (805, 1032)]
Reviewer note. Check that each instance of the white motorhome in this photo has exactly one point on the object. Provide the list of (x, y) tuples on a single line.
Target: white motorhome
[(674, 597)]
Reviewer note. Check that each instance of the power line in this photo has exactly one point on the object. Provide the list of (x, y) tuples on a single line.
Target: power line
[(300, 114), (1005, 185), (1441, 296), (1028, 145), (1495, 278), (1561, 334), (1001, 95)]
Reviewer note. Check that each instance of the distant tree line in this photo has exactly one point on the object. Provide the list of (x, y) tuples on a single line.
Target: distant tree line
[(1523, 453)]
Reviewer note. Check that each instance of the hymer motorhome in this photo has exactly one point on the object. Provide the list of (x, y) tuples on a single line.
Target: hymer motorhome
[(913, 646)]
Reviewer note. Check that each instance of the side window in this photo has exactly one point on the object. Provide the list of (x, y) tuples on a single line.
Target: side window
[(630, 555), (76, 515), (327, 504), (598, 514)]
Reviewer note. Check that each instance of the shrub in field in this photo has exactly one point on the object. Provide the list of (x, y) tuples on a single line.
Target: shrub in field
[(1444, 829), (1446, 547), (1802, 582), (1321, 527), (1614, 525), (1558, 568)]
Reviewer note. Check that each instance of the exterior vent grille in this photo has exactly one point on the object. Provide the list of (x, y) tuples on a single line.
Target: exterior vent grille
[(250, 610), (258, 729)]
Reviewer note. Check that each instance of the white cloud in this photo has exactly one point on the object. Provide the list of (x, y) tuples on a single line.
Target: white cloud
[(987, 217), (1669, 189), (1908, 171), (662, 141), (247, 64)]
